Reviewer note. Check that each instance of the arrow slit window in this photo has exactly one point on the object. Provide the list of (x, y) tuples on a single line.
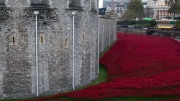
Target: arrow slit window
[(13, 39), (66, 43), (42, 39), (83, 38)]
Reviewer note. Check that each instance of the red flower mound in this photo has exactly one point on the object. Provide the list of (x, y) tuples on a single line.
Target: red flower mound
[(138, 65)]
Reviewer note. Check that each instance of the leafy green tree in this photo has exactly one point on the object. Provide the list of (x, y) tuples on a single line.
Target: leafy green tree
[(174, 6), (178, 24), (148, 12), (110, 13), (168, 17), (128, 15), (153, 23), (146, 25), (178, 10), (135, 8)]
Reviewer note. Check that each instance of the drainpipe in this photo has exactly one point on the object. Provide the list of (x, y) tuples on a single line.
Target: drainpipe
[(90, 5), (37, 75), (109, 35), (103, 39), (115, 31), (73, 13), (98, 45)]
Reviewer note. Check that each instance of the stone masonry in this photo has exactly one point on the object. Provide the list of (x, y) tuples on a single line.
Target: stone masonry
[(107, 32), (55, 28)]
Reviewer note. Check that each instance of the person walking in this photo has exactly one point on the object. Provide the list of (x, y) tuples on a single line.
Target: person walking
[(149, 31)]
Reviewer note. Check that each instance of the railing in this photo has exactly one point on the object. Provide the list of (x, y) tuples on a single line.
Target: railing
[(174, 34), (132, 30), (166, 33)]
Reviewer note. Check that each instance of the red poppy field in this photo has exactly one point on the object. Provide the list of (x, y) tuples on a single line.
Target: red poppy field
[(138, 65)]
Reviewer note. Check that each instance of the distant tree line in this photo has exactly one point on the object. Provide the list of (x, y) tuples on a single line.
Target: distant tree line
[(135, 10), (137, 24), (174, 6)]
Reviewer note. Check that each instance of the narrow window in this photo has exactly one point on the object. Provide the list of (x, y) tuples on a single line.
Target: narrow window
[(13, 40), (66, 42), (83, 38), (42, 41)]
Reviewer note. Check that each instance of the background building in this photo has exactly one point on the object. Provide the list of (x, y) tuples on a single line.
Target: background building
[(119, 6), (107, 3), (159, 8)]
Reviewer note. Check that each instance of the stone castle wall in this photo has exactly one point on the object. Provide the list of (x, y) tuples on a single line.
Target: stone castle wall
[(55, 28), (107, 32)]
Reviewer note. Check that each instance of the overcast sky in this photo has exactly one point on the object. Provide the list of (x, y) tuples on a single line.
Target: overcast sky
[(101, 1)]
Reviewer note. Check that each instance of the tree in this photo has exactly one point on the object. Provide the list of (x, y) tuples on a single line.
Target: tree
[(178, 24), (168, 17), (111, 13), (174, 6), (148, 12), (136, 8), (178, 11), (128, 15)]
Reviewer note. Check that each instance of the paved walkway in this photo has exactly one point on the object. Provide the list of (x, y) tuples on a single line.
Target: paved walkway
[(178, 40)]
